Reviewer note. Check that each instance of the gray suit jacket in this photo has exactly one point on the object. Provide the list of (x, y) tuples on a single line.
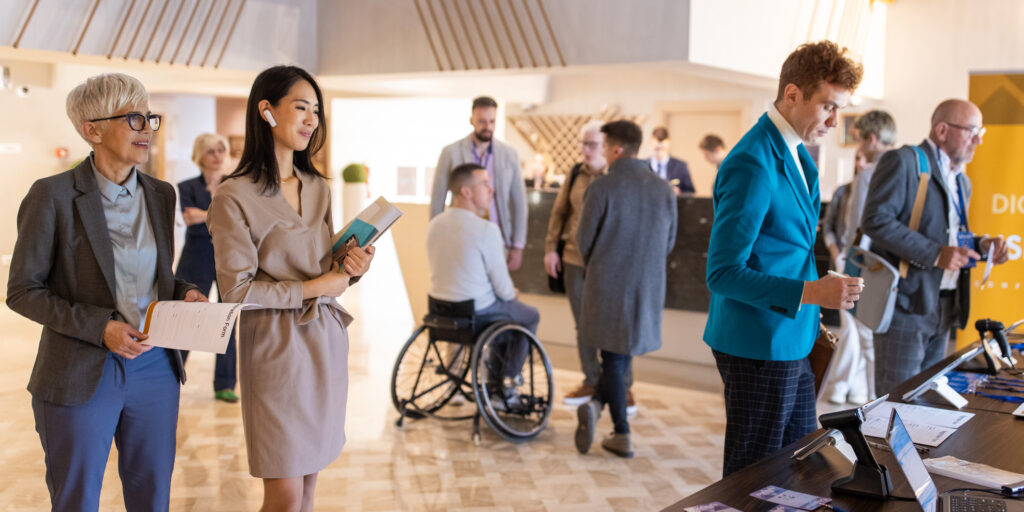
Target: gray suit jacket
[(626, 231), (890, 201), (62, 276), (509, 189)]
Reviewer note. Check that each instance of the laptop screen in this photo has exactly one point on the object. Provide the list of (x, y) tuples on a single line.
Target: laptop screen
[(911, 464)]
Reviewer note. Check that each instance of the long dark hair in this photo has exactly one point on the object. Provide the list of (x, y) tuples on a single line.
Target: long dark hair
[(258, 158)]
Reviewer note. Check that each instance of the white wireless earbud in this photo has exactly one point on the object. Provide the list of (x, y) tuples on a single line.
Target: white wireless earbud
[(270, 118)]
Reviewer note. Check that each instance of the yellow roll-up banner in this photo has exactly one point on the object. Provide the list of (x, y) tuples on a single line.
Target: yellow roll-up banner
[(997, 200)]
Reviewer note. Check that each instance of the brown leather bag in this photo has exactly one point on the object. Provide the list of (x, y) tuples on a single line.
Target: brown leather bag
[(821, 357)]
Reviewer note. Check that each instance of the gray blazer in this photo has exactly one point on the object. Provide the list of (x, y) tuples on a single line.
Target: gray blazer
[(886, 219), (62, 276), (626, 231), (509, 189)]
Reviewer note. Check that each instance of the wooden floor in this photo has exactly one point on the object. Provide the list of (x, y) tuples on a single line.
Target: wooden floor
[(427, 465)]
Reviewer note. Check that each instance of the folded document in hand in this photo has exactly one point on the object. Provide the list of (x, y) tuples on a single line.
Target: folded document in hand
[(202, 326), (365, 229)]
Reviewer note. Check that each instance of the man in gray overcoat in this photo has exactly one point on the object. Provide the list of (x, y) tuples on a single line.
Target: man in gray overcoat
[(626, 230)]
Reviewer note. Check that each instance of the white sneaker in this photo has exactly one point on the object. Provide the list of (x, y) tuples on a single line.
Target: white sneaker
[(857, 399), (631, 406)]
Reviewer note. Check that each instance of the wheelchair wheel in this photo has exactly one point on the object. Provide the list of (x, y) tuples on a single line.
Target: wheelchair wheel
[(427, 374), (512, 381)]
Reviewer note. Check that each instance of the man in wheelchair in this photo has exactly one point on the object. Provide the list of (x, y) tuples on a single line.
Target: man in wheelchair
[(466, 254)]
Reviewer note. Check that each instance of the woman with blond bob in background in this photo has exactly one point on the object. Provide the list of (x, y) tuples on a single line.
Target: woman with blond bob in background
[(94, 249), (196, 265), (271, 227)]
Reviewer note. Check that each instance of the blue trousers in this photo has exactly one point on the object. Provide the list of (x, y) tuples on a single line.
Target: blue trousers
[(611, 388), (136, 406)]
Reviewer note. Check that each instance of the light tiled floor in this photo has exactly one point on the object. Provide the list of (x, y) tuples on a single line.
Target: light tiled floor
[(427, 465)]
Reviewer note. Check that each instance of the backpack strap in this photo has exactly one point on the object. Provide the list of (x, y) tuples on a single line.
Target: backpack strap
[(575, 173), (923, 175)]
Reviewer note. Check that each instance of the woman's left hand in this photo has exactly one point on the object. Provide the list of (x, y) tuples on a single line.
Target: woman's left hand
[(357, 262), (194, 295)]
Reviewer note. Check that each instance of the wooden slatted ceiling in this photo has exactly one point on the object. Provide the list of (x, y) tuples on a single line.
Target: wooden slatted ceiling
[(197, 16), (508, 29)]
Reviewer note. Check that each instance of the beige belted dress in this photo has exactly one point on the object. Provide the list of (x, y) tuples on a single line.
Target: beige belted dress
[(292, 354)]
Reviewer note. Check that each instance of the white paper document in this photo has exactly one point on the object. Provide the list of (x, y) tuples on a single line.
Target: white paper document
[(928, 426), (928, 435), (988, 264), (973, 472), (922, 415), (202, 326)]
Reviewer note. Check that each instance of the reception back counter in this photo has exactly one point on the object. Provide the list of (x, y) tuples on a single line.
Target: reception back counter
[(685, 290)]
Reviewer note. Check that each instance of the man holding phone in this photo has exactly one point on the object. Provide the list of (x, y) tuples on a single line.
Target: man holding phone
[(934, 295)]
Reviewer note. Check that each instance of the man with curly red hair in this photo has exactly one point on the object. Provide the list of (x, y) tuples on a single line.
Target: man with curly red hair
[(765, 290)]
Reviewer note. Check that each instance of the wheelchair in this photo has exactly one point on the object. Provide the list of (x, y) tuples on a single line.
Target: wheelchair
[(488, 360)]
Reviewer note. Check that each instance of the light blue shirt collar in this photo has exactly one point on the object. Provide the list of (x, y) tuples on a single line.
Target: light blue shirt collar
[(109, 189)]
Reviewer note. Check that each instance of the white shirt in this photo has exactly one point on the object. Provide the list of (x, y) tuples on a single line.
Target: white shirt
[(466, 255), (660, 167), (792, 141), (949, 177)]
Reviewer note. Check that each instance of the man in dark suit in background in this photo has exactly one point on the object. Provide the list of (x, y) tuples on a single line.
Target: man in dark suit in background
[(934, 295), (672, 170)]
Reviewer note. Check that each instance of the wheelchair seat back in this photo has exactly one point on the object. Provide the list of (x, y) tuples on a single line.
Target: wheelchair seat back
[(457, 322), (451, 321)]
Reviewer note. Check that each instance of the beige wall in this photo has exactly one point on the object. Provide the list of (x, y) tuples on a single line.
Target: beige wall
[(933, 45), (38, 124)]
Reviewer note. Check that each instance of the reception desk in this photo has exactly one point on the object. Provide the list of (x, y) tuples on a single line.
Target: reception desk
[(687, 263)]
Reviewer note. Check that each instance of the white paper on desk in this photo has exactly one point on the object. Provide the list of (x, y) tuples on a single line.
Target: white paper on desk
[(973, 472), (202, 326), (988, 265), (922, 415), (928, 435)]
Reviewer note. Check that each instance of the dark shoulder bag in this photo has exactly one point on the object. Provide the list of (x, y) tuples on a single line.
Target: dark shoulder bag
[(557, 284)]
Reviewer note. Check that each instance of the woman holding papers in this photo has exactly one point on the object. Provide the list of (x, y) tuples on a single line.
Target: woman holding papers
[(94, 249), (271, 227), (209, 153)]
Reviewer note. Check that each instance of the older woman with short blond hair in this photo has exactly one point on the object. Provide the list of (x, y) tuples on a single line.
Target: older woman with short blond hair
[(196, 265), (94, 249)]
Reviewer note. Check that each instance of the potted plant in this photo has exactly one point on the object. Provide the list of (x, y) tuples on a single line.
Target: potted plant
[(356, 191)]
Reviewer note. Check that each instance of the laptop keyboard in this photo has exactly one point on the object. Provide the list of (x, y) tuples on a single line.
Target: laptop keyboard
[(975, 504)]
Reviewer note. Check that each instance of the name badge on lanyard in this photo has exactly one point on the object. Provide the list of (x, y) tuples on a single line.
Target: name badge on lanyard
[(964, 237)]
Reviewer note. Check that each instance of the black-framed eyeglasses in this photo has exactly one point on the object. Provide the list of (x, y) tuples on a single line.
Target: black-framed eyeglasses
[(972, 131), (136, 121)]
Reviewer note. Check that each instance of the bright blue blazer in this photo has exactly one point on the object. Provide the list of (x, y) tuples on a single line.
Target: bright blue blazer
[(762, 250)]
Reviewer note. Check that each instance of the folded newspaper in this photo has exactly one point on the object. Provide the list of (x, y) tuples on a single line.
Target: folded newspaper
[(365, 229)]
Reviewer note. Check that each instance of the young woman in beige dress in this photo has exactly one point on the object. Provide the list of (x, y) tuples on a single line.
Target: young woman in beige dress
[(271, 228)]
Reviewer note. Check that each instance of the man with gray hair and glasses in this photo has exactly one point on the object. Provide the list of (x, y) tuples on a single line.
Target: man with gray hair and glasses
[(934, 296)]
